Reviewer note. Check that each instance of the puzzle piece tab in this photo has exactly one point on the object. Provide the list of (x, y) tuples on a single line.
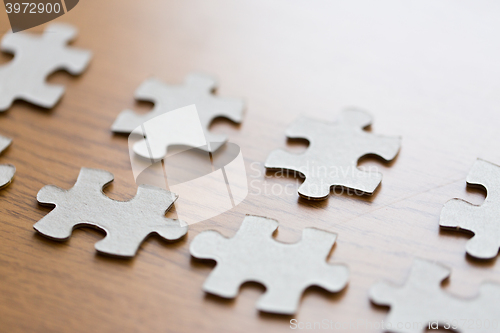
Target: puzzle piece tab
[(126, 223), (197, 89), (35, 58), (7, 171), (421, 303), (286, 270), (484, 220), (333, 153)]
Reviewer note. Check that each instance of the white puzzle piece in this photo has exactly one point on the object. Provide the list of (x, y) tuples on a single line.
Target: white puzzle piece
[(286, 270), (333, 153), (126, 223), (36, 57), (198, 90), (421, 303), (483, 220)]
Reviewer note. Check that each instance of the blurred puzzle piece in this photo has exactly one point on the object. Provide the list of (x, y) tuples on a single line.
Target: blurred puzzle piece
[(421, 303), (36, 57), (197, 89)]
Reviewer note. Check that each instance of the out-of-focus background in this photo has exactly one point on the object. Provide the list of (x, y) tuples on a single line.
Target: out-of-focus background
[(427, 70)]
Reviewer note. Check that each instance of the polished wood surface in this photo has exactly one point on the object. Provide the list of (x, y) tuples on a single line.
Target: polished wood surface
[(426, 70)]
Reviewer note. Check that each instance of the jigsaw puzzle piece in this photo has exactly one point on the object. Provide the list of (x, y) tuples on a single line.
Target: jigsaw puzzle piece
[(126, 223), (198, 90), (483, 220), (286, 270), (36, 57), (421, 302), (333, 154)]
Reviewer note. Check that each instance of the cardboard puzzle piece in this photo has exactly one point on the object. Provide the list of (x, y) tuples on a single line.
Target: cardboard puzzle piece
[(197, 89), (7, 171), (421, 304), (483, 220), (333, 153), (126, 223), (286, 270), (36, 57)]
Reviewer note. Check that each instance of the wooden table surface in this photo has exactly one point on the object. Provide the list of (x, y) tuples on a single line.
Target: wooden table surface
[(426, 70)]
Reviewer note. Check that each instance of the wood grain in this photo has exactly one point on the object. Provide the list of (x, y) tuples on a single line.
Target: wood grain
[(426, 70)]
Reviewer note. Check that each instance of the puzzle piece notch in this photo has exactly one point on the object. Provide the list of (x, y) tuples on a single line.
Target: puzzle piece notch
[(126, 223), (482, 220), (286, 270), (421, 301), (36, 57), (333, 154), (197, 89), (7, 171)]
